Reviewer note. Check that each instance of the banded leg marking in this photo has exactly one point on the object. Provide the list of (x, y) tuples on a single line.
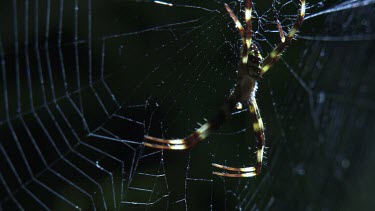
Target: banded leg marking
[(200, 134), (240, 28), (179, 144), (258, 128), (275, 54), (248, 11), (236, 21), (244, 172)]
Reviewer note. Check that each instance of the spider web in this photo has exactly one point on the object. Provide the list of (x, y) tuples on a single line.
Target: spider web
[(83, 81)]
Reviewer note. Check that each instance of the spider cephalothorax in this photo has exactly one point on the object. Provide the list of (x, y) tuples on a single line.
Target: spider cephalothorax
[(251, 68)]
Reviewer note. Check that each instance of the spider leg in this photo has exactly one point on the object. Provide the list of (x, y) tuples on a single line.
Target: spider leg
[(248, 11), (170, 146), (275, 54), (179, 144), (246, 40), (244, 169), (243, 172), (258, 128), (201, 133), (259, 134), (236, 21), (282, 36)]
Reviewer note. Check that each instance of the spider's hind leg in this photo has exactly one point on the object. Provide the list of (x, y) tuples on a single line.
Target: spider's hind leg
[(275, 54), (246, 34), (236, 21)]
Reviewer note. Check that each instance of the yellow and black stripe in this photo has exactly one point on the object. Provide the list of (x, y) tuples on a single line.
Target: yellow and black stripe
[(179, 144), (275, 54), (258, 128), (250, 69)]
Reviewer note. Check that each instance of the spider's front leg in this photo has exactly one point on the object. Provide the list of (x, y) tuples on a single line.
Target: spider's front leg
[(259, 134), (179, 144), (201, 133)]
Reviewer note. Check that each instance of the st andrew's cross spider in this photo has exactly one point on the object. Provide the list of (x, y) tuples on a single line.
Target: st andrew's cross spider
[(251, 68)]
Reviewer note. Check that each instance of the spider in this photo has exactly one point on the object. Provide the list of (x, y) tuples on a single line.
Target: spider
[(251, 68)]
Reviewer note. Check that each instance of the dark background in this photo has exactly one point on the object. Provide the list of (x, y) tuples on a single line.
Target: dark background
[(83, 81)]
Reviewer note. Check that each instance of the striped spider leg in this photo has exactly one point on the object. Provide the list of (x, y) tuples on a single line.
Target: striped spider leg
[(251, 68), (256, 66)]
